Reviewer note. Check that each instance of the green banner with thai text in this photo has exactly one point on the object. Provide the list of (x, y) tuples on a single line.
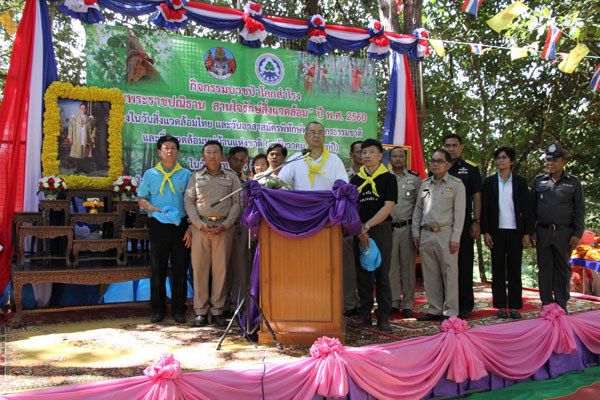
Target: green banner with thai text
[(200, 89)]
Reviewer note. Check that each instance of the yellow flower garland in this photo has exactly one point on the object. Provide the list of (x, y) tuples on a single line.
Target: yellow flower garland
[(52, 128)]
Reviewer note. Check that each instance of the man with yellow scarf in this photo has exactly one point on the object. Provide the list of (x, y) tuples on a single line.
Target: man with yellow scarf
[(378, 195), (164, 186), (320, 169)]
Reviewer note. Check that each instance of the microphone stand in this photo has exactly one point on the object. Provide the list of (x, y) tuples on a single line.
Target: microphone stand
[(249, 298), (266, 174)]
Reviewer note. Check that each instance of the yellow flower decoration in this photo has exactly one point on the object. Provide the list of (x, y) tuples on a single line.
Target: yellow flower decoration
[(50, 162)]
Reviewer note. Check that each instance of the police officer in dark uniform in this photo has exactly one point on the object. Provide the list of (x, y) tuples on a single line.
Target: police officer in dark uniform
[(558, 205), (468, 172)]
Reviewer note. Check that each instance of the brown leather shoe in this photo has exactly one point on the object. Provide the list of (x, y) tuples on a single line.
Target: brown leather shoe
[(383, 324)]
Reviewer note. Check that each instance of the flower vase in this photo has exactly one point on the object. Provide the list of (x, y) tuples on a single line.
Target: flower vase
[(125, 196), (51, 196)]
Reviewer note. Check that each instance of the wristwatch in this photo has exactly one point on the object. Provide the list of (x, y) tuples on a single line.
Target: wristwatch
[(366, 226), (477, 220)]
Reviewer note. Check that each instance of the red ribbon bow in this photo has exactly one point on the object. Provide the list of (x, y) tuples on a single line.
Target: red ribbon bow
[(170, 14), (316, 32), (381, 41), (256, 8), (252, 24)]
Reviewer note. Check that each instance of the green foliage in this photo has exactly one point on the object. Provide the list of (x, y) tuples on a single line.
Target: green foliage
[(528, 103)]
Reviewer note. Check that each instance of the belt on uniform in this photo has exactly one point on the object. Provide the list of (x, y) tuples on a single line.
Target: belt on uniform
[(401, 224), (554, 227), (212, 219), (437, 228)]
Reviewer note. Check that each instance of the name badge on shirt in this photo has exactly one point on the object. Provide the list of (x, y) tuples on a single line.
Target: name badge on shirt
[(224, 178)]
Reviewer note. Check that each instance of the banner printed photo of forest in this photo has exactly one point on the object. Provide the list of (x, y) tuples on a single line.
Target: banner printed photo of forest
[(201, 89)]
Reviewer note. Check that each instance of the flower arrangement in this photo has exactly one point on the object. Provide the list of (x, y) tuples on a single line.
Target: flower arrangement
[(93, 203), (276, 183), (51, 186), (125, 185)]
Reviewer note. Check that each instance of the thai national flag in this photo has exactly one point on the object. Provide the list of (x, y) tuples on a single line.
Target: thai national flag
[(476, 48), (32, 69), (549, 52), (472, 6), (595, 84), (401, 126)]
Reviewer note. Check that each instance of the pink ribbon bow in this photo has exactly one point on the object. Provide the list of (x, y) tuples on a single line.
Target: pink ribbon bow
[(166, 367)]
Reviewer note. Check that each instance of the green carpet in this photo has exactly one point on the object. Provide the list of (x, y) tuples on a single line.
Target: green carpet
[(541, 390)]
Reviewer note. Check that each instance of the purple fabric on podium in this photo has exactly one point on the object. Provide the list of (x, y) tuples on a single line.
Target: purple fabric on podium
[(298, 214)]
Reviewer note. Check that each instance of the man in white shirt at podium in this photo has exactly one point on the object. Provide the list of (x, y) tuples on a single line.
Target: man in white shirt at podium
[(320, 168)]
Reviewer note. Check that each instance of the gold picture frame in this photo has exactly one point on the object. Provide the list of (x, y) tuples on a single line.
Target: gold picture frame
[(53, 127)]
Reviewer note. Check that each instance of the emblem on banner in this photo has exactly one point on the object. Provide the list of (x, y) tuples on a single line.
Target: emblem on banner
[(269, 69), (220, 62)]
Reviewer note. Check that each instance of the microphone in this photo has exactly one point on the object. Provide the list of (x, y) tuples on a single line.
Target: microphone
[(306, 151)]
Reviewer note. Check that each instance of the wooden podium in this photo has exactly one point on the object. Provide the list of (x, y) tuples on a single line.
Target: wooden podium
[(301, 286)]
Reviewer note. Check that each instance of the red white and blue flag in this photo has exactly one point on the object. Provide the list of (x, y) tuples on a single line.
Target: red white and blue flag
[(401, 126), (549, 52), (32, 69), (595, 84), (472, 6), (476, 48)]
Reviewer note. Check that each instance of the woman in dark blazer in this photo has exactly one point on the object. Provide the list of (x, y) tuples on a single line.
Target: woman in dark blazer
[(507, 225)]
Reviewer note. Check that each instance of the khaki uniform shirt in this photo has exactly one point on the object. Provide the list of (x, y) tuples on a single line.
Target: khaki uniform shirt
[(204, 188), (409, 183), (440, 204), (350, 172)]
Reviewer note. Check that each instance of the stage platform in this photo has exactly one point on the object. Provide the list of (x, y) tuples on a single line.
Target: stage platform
[(64, 348)]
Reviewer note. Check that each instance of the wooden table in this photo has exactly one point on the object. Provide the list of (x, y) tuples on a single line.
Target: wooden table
[(81, 276), (133, 233), (46, 206), (44, 232), (95, 246)]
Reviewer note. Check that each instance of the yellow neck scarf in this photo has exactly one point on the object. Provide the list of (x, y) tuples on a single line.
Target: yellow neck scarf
[(167, 176), (371, 179), (314, 169)]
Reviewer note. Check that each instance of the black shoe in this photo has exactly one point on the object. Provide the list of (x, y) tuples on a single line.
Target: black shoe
[(157, 316), (350, 313), (445, 318), (502, 313), (464, 314), (363, 320), (201, 320), (383, 324), (219, 321), (229, 313), (430, 317), (514, 314), (408, 313), (395, 310), (179, 318)]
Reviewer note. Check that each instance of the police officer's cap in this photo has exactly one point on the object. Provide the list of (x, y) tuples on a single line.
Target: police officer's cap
[(555, 151)]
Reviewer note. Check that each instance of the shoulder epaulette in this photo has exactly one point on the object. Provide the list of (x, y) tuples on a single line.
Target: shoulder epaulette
[(413, 173), (471, 163), (455, 178)]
